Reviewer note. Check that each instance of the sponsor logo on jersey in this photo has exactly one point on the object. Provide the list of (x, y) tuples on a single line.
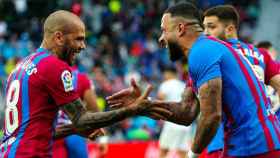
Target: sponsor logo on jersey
[(67, 81)]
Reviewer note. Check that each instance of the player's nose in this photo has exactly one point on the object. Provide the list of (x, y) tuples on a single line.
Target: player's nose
[(82, 46), (206, 32)]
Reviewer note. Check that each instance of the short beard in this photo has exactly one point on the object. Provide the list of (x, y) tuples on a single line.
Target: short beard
[(175, 51), (65, 54)]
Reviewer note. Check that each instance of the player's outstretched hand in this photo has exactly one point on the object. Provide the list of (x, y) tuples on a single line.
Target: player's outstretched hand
[(133, 97), (92, 135), (96, 133), (125, 97)]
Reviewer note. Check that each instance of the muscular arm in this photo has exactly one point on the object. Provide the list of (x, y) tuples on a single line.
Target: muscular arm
[(183, 112), (63, 131), (84, 120), (210, 118)]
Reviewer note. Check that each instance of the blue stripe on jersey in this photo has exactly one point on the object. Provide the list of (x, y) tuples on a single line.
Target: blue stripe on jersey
[(75, 78), (273, 132), (25, 106), (269, 123), (278, 114), (15, 72), (262, 102)]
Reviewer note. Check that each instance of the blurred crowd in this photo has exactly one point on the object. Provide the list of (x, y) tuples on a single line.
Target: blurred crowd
[(121, 44)]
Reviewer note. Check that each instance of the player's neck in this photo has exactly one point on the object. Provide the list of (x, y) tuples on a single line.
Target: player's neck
[(189, 41), (51, 48)]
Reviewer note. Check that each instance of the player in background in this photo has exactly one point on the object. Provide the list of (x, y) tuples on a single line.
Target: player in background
[(173, 136), (228, 90), (272, 93), (268, 47), (223, 22), (41, 84)]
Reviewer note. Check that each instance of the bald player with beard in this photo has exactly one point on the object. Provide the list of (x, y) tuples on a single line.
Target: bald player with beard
[(41, 84)]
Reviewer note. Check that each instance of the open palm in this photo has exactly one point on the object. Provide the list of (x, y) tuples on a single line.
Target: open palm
[(125, 97)]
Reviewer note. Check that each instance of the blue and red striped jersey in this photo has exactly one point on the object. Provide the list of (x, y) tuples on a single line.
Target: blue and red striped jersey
[(35, 90), (249, 126)]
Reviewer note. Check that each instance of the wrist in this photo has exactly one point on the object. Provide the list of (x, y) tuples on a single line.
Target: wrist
[(191, 154), (133, 110)]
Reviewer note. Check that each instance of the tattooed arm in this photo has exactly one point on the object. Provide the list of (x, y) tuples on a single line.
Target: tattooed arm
[(183, 112), (210, 107), (85, 121), (69, 129)]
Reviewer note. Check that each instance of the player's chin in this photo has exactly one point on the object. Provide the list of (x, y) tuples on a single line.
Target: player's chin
[(71, 62), (71, 59)]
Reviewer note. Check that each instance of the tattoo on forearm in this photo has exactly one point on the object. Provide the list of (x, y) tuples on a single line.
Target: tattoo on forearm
[(183, 112), (84, 120), (74, 110), (63, 131), (210, 118)]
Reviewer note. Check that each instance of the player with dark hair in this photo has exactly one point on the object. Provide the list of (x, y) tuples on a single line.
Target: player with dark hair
[(222, 22), (227, 87), (268, 47), (41, 84)]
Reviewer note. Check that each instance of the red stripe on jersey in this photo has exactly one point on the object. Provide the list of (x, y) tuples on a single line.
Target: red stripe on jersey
[(254, 91)]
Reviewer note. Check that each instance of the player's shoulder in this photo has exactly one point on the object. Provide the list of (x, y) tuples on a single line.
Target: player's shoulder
[(206, 50), (264, 52), (52, 63), (208, 46)]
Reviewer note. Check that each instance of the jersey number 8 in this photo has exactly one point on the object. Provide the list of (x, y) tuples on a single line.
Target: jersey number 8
[(11, 113)]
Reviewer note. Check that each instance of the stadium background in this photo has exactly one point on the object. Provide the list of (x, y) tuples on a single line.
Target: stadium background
[(121, 42)]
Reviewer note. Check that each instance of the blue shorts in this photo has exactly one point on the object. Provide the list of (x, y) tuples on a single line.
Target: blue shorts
[(76, 146)]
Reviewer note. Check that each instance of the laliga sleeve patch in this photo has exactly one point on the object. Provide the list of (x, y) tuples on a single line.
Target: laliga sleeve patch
[(67, 81)]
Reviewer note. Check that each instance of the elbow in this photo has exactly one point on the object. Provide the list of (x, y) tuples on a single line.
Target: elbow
[(217, 118), (214, 119)]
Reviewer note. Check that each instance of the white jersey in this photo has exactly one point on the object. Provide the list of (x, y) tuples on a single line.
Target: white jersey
[(174, 136)]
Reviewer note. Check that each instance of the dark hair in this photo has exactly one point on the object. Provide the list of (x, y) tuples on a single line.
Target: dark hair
[(264, 44), (186, 10), (226, 13)]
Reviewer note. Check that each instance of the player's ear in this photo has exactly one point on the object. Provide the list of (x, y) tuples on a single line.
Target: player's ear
[(58, 38), (181, 29), (230, 29)]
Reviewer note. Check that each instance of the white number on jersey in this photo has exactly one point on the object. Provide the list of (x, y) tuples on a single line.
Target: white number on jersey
[(11, 113)]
